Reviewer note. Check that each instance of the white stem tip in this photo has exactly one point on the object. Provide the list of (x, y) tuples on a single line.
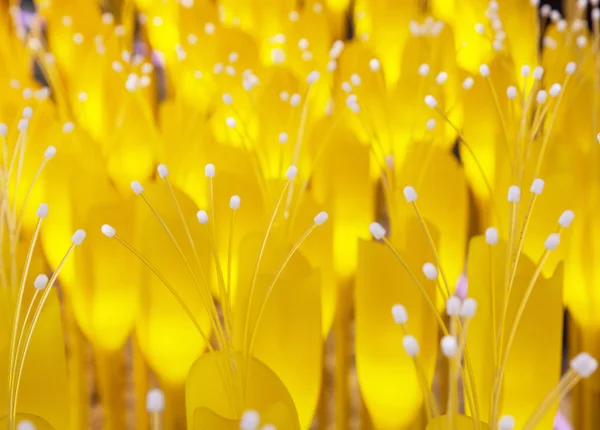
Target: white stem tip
[(491, 236), (449, 346), (234, 202), (377, 230), (430, 271), (321, 218), (209, 170), (584, 364), (163, 172), (291, 173), (430, 101), (155, 400), (410, 194), (50, 152), (566, 218), (399, 314), (137, 187), (374, 65), (468, 308), (202, 217), (453, 306), (507, 422), (78, 237), (537, 187), (250, 420), (42, 210), (40, 282), (514, 194), (25, 425), (552, 242), (410, 344), (108, 230)]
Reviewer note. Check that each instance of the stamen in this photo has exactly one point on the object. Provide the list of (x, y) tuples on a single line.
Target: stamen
[(155, 405)]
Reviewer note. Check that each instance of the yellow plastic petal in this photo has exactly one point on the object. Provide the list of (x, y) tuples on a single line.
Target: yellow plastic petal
[(532, 369), (211, 404), (387, 375), (167, 336), (288, 336)]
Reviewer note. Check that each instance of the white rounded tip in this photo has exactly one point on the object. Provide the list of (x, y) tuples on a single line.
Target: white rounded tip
[(596, 14), (430, 124), (480, 28), (355, 79), (3, 129), (78, 237), (449, 346), (163, 171), (25, 425), (525, 71), (27, 112), (230, 121), (295, 99), (411, 346), (541, 96), (468, 83), (514, 194), (430, 101), (283, 137), (441, 78), (555, 90), (23, 125), (571, 67), (399, 314), (377, 230), (227, 99), (507, 422), (346, 87), (566, 218), (468, 308), (40, 282), (430, 271), (42, 210), (268, 427), (453, 306), (424, 69), (584, 364), (250, 420), (511, 92), (491, 236), (155, 400), (484, 70), (202, 217), (234, 202), (137, 187), (321, 218), (552, 242), (108, 231), (538, 73), (209, 170), (537, 187), (291, 173), (374, 65), (49, 153), (410, 194), (68, 127), (313, 77)]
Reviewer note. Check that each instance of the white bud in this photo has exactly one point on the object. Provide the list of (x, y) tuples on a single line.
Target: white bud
[(514, 194), (453, 306), (23, 125), (295, 99), (511, 92), (491, 236), (596, 14), (230, 121), (234, 202), (552, 242), (227, 99), (283, 137), (202, 217), (137, 187), (484, 70), (250, 420), (410, 194), (78, 237), (374, 65), (68, 127), (410, 345), (507, 422), (566, 218), (561, 25), (541, 96), (537, 187), (355, 79), (377, 230), (570, 68), (441, 78), (291, 173), (163, 171), (321, 218), (209, 170), (399, 314), (430, 271), (108, 231), (209, 28), (480, 28), (468, 308), (525, 71), (3, 129), (468, 83), (312, 77), (27, 112), (538, 73), (42, 210), (555, 90), (584, 364), (430, 101), (346, 87), (430, 124), (449, 346), (424, 69), (25, 425)]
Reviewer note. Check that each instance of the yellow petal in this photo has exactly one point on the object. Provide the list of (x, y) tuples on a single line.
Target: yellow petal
[(462, 422), (387, 375), (288, 336), (209, 401), (167, 336)]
